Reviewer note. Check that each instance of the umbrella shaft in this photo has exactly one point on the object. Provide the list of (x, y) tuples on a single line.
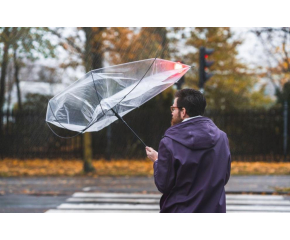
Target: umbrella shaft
[(120, 118)]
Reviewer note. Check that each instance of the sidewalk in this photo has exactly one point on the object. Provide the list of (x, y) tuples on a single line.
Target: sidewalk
[(257, 184), (61, 186)]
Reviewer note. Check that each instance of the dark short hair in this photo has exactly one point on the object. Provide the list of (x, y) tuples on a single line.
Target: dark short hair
[(192, 100)]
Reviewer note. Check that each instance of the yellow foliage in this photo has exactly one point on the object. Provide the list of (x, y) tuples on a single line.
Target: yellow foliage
[(123, 167)]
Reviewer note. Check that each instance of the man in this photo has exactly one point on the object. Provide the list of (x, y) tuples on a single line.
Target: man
[(193, 163)]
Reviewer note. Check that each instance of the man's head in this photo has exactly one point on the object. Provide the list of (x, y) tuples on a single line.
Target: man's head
[(187, 103)]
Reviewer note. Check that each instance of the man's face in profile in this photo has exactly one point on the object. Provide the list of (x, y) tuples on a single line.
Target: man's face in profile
[(176, 116)]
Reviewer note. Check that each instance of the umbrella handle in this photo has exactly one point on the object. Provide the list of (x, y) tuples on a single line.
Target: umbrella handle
[(120, 118)]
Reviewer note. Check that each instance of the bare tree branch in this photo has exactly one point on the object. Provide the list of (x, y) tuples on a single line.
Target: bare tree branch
[(286, 59), (68, 40)]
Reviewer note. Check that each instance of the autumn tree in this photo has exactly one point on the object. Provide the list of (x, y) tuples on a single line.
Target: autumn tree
[(133, 44), (18, 43), (92, 44), (7, 37), (29, 40), (149, 42), (276, 46), (231, 87)]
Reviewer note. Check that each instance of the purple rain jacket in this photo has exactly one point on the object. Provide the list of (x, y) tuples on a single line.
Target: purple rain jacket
[(193, 166)]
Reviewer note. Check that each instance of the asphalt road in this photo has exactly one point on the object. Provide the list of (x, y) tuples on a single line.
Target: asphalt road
[(38, 194)]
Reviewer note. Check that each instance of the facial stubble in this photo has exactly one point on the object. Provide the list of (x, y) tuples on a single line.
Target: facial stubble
[(177, 120)]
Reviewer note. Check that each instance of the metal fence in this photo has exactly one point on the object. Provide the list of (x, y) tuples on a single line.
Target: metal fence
[(254, 135)]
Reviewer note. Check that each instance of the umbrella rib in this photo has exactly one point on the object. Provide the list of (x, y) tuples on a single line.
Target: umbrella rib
[(80, 132), (139, 81), (97, 92), (116, 114), (61, 125)]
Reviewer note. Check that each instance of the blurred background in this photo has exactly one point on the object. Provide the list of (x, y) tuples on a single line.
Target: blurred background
[(243, 72)]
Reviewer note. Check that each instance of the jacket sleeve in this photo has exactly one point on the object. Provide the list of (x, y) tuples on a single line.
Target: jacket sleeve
[(163, 169), (229, 162)]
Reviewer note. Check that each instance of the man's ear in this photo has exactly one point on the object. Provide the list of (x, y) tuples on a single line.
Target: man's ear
[(183, 112)]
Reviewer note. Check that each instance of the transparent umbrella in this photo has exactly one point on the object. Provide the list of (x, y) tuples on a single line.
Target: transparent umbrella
[(104, 95)]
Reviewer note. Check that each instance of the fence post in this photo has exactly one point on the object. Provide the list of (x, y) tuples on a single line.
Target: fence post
[(109, 143), (1, 135), (285, 128)]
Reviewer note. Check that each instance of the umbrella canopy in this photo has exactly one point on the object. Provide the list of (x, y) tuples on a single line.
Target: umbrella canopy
[(92, 102)]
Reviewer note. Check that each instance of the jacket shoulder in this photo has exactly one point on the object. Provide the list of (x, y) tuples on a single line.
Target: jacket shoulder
[(166, 139)]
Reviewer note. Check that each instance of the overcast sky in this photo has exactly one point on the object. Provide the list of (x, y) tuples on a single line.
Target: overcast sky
[(251, 50)]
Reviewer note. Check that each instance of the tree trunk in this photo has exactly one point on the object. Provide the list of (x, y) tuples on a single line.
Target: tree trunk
[(9, 90), (2, 79), (164, 42), (93, 59), (87, 153), (87, 138), (16, 76)]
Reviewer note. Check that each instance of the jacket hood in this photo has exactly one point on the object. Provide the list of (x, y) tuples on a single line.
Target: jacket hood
[(196, 133)]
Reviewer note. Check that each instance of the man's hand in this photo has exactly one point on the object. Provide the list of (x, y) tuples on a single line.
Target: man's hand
[(151, 153)]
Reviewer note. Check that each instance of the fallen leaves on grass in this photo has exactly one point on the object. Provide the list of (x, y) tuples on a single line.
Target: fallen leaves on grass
[(59, 167), (134, 167), (282, 189), (39, 167), (260, 168)]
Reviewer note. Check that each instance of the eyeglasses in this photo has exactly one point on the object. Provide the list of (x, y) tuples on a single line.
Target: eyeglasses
[(172, 108)]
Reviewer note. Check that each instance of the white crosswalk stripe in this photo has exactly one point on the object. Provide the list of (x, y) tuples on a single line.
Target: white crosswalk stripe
[(86, 202)]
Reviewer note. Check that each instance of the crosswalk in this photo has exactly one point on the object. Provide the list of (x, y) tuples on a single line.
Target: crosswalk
[(90, 202)]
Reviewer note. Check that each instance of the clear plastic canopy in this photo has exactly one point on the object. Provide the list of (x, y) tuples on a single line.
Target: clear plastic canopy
[(88, 104)]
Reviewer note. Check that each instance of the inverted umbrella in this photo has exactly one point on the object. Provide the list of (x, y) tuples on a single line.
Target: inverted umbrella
[(104, 95)]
